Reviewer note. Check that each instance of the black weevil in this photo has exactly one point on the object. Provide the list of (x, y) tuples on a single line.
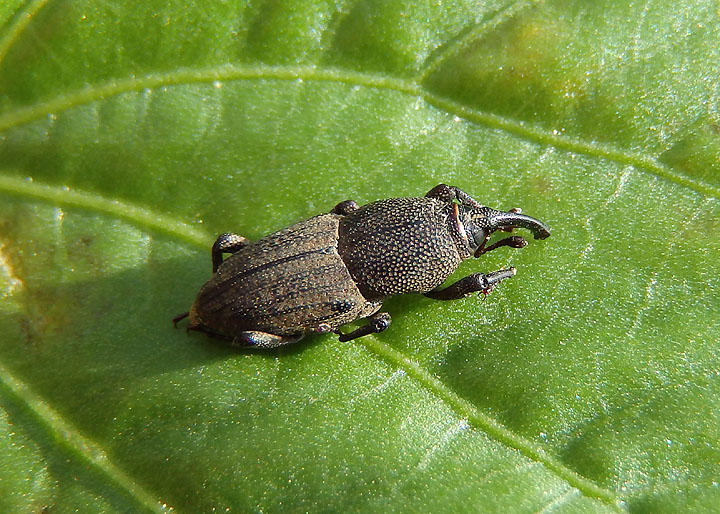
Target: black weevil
[(335, 268)]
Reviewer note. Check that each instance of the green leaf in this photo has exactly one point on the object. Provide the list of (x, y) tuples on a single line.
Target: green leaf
[(132, 133)]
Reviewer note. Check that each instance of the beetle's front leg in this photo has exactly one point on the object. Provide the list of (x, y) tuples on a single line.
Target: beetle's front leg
[(448, 194), (477, 282), (226, 243), (376, 324), (512, 242)]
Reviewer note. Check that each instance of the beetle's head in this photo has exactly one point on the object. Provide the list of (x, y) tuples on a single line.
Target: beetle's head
[(476, 225)]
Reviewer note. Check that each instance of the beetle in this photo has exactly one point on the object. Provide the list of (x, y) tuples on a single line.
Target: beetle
[(332, 269)]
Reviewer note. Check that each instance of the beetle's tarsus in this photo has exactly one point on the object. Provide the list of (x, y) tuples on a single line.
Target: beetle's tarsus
[(475, 283), (345, 208), (512, 242), (179, 318), (376, 324), (226, 243), (258, 339)]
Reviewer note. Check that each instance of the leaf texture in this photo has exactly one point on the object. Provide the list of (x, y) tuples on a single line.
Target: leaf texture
[(131, 134)]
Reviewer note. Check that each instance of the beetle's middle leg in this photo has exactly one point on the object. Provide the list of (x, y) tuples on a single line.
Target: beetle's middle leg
[(477, 282), (226, 243), (376, 324)]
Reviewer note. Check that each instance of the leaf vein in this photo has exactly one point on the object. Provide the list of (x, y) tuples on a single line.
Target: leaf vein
[(521, 129), (558, 501), (22, 20), (455, 47), (67, 435), (587, 225), (443, 441), (650, 289), (490, 426), (165, 224), (138, 215)]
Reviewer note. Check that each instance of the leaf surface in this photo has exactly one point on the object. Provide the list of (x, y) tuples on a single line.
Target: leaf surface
[(131, 134)]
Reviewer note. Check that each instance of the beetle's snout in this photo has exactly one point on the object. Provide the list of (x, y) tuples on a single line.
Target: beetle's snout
[(509, 220)]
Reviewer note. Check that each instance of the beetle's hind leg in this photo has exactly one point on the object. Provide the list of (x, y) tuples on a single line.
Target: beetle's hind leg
[(226, 243), (258, 339), (477, 282), (376, 324)]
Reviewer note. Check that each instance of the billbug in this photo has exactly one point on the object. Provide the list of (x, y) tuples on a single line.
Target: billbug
[(332, 269)]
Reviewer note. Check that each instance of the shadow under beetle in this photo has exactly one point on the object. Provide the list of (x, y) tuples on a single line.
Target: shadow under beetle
[(332, 269)]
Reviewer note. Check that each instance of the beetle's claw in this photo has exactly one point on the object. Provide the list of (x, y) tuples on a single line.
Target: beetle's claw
[(376, 324), (494, 278)]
